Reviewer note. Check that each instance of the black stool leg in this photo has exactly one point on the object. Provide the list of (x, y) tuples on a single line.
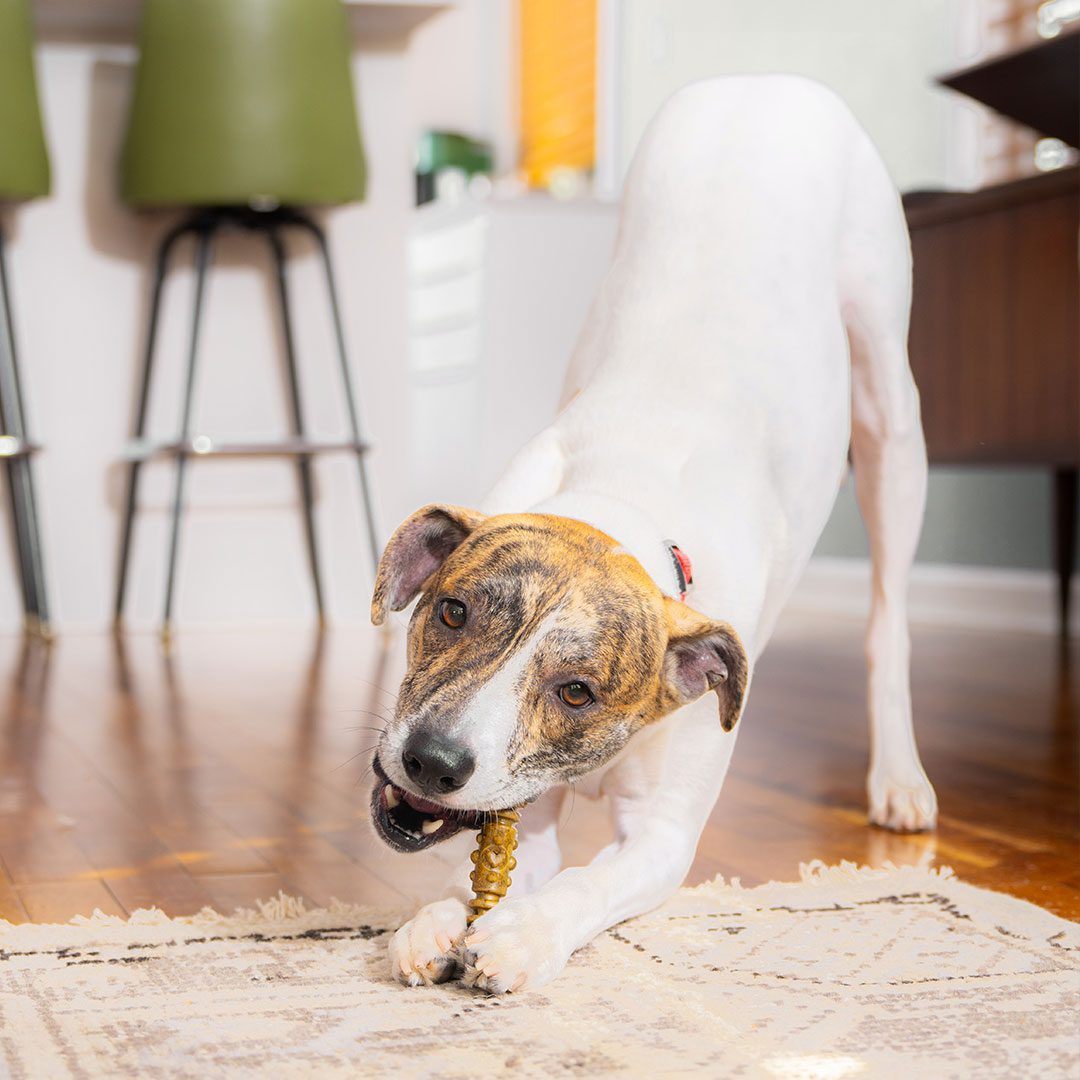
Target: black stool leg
[(10, 427), (202, 264), (20, 475), (16, 491), (33, 521), (141, 409), (303, 462), (346, 381)]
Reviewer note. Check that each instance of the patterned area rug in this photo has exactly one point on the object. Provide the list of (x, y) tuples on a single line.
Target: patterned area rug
[(847, 973)]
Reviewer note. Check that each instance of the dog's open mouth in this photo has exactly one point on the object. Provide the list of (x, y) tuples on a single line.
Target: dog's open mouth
[(408, 823)]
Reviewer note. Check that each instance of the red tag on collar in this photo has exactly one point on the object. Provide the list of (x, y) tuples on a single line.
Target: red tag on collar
[(684, 570)]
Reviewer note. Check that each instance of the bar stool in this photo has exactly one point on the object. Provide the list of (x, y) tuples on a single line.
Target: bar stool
[(243, 112), (24, 174)]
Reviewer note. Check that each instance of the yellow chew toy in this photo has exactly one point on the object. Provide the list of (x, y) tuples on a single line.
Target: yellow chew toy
[(493, 860)]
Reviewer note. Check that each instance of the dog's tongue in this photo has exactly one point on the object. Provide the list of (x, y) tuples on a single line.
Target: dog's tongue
[(422, 805)]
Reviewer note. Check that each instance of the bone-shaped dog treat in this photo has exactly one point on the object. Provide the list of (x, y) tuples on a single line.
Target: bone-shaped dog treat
[(493, 860)]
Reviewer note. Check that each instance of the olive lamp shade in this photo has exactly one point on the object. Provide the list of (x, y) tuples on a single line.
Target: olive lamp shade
[(243, 102), (24, 161)]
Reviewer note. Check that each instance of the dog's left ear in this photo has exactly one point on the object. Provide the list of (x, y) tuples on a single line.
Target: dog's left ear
[(704, 655), (417, 549)]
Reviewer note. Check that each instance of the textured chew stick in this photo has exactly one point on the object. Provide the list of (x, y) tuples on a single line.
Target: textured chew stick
[(493, 860)]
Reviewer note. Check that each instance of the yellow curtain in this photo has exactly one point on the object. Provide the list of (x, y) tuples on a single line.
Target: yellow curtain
[(558, 86)]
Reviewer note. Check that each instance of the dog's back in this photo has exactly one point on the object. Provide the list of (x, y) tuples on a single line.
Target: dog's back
[(738, 224)]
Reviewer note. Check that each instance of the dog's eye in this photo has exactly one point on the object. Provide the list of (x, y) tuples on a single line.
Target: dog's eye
[(576, 695), (452, 613)]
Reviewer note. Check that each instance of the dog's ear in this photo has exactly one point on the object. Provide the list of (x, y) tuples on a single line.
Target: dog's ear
[(703, 655), (417, 549)]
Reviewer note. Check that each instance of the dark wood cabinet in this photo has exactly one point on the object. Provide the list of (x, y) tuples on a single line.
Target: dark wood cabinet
[(995, 322)]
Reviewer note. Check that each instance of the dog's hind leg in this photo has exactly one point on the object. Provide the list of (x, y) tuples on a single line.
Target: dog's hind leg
[(890, 480)]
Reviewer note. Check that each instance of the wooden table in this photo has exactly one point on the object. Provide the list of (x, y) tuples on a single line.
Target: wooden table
[(995, 333)]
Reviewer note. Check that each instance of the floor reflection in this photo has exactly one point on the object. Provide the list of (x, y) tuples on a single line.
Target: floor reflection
[(24, 723), (1065, 744), (133, 734), (239, 765), (308, 710)]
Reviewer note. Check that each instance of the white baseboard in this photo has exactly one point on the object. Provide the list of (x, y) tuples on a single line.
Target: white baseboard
[(971, 597)]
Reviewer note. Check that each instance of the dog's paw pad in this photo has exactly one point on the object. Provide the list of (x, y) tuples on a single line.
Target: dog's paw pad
[(424, 950)]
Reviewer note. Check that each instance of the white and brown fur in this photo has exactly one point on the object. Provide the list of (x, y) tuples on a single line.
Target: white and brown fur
[(751, 329)]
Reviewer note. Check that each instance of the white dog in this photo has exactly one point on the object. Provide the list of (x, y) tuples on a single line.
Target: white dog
[(751, 328)]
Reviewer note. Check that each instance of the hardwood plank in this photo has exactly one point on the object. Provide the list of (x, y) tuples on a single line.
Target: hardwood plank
[(40, 851), (171, 889), (59, 901), (11, 906), (231, 891)]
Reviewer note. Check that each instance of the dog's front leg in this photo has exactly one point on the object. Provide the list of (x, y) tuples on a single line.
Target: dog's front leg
[(425, 950), (660, 802)]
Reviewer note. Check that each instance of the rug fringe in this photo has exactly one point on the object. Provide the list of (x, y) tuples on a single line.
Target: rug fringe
[(291, 911), (286, 908), (819, 872), (276, 910)]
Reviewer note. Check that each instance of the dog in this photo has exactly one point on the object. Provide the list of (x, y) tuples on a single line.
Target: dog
[(597, 622)]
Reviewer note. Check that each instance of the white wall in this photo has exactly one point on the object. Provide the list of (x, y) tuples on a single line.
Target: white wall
[(880, 55), (461, 75), (80, 263), (537, 268)]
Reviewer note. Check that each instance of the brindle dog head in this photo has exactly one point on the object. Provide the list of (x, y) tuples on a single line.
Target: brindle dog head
[(537, 648)]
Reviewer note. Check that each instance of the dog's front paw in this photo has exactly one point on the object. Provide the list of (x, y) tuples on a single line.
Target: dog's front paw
[(511, 948), (424, 949), (908, 805)]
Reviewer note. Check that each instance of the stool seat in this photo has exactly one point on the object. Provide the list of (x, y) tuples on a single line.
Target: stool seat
[(24, 161), (243, 102)]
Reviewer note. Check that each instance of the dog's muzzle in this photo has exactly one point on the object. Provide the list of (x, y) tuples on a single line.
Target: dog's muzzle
[(410, 823)]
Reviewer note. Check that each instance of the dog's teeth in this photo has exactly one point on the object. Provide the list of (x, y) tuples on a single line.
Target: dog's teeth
[(391, 799), (430, 826)]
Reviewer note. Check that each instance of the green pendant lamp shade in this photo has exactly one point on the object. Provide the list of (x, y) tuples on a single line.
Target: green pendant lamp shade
[(243, 102), (24, 161)]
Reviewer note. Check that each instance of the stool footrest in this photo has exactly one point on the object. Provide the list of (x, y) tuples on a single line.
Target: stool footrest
[(202, 447), (11, 446)]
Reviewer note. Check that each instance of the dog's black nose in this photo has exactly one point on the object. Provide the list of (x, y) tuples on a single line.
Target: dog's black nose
[(436, 764)]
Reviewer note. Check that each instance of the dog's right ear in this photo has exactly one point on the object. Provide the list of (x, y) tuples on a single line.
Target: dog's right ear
[(415, 552), (705, 655)]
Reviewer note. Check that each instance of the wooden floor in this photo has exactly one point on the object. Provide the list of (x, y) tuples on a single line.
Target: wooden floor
[(239, 767)]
